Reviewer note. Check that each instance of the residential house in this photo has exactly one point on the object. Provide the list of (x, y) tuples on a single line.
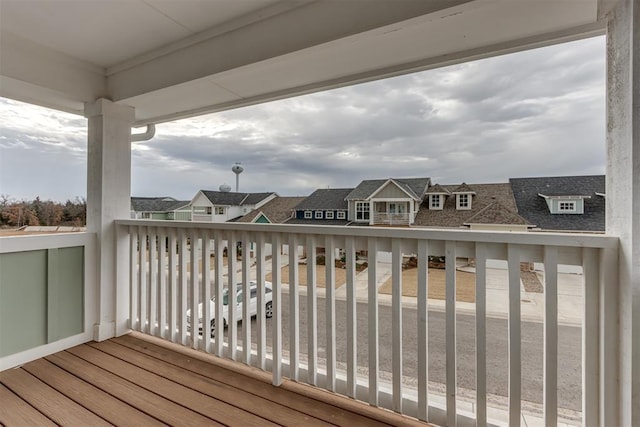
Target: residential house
[(562, 203), (326, 206), (223, 206), (391, 202), (166, 208), (475, 206)]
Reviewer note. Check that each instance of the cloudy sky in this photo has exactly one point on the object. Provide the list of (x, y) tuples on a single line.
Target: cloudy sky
[(534, 113)]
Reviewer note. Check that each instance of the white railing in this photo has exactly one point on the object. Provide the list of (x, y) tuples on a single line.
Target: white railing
[(384, 218), (162, 290)]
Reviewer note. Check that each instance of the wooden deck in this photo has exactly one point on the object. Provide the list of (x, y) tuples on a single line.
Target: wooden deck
[(134, 380)]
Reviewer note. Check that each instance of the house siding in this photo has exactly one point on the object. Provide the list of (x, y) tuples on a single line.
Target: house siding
[(391, 191)]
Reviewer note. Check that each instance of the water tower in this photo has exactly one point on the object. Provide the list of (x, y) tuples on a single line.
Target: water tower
[(237, 169), (225, 188)]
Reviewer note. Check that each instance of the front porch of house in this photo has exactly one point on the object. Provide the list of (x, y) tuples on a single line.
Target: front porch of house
[(141, 275)]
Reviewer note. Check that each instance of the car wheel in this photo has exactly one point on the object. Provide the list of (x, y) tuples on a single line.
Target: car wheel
[(269, 309)]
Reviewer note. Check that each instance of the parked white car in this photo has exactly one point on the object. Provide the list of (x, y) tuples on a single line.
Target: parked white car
[(253, 305)]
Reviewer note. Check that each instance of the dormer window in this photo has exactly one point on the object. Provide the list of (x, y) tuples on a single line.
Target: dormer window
[(436, 201), (567, 206), (308, 215), (463, 201), (318, 215), (565, 203)]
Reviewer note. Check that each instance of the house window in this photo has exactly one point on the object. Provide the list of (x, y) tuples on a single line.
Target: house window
[(209, 210), (308, 215), (341, 215), (567, 206), (362, 211), (435, 201), (464, 201), (219, 211), (328, 214), (318, 214)]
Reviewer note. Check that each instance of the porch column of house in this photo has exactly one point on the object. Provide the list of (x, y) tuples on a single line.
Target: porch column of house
[(108, 199), (623, 193)]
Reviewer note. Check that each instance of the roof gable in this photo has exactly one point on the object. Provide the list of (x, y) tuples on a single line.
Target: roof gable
[(229, 198), (496, 213), (414, 187), (437, 189), (463, 188)]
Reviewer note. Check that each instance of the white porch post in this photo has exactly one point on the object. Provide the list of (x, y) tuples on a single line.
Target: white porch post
[(623, 193), (108, 199)]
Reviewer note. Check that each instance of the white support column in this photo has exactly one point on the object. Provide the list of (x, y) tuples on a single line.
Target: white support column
[(108, 199), (623, 194)]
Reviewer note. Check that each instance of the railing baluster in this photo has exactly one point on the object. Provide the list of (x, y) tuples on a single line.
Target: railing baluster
[(373, 337), (481, 334), (450, 330), (232, 324), (153, 282), (193, 289), (294, 311), (261, 319), (182, 295), (134, 253), (330, 279), (550, 399), (423, 330), (352, 322), (144, 282), (396, 323), (515, 363), (218, 291), (246, 290), (206, 291), (162, 275), (312, 312), (591, 338), (276, 273), (173, 286)]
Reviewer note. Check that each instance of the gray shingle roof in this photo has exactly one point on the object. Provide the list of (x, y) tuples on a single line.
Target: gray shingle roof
[(437, 189), (326, 199), (277, 210), (496, 213), (228, 198), (156, 204), (485, 195), (534, 208), (416, 187)]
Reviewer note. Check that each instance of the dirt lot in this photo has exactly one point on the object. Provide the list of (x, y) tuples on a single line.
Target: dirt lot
[(341, 276), (465, 284)]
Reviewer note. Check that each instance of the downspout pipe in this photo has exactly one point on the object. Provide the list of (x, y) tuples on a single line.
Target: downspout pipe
[(146, 135)]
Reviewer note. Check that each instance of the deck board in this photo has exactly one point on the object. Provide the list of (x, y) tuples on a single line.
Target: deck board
[(55, 406), (256, 405), (15, 411), (312, 407), (103, 404), (148, 402), (139, 380)]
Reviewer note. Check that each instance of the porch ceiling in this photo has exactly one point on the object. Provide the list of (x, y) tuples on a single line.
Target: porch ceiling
[(172, 59)]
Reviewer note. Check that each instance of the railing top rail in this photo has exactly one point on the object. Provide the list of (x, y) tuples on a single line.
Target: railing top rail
[(525, 238), (34, 242)]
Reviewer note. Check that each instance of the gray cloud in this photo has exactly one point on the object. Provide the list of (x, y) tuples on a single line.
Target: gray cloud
[(533, 113)]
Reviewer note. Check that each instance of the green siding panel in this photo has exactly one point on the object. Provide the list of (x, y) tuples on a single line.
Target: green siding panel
[(41, 297), (23, 301), (66, 293), (262, 220)]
